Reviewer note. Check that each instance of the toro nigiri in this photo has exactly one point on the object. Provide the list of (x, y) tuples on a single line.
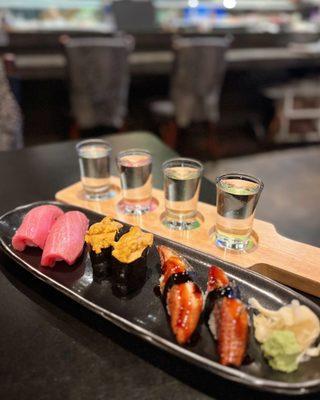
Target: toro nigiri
[(35, 227), (66, 239), (182, 296), (228, 319)]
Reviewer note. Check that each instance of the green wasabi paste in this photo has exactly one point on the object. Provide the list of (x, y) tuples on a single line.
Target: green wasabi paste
[(281, 350)]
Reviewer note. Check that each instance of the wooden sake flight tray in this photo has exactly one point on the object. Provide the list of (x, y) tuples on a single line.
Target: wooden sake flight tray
[(292, 263)]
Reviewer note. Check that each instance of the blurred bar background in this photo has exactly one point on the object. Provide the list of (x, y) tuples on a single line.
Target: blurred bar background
[(260, 93)]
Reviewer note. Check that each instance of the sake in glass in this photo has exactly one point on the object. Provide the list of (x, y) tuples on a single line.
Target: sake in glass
[(135, 167), (94, 160), (237, 198), (182, 179)]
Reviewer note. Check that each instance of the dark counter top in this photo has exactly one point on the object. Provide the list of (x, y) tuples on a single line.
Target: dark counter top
[(52, 348), (22, 40), (143, 63)]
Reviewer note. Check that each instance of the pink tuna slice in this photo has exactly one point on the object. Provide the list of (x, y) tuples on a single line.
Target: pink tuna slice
[(35, 227), (66, 239)]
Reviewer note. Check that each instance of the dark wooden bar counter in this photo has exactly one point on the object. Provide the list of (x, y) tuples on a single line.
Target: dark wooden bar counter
[(52, 348)]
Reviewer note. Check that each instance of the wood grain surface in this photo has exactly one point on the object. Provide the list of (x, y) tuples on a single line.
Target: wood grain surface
[(292, 263)]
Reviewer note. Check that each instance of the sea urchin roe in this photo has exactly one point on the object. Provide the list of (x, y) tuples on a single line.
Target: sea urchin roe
[(131, 245), (102, 234)]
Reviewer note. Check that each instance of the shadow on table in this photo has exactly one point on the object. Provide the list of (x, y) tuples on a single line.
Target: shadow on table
[(52, 302)]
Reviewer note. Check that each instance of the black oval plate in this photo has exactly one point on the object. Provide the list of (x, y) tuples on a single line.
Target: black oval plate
[(144, 315)]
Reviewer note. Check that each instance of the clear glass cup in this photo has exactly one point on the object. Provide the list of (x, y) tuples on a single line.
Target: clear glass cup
[(135, 168), (237, 198), (182, 180), (94, 160)]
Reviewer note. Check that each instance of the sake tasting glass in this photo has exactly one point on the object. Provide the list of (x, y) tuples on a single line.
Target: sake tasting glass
[(135, 168), (182, 180), (94, 160), (237, 198)]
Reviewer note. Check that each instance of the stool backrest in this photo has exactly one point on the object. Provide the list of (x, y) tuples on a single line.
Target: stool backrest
[(134, 16), (99, 79), (197, 78), (11, 133)]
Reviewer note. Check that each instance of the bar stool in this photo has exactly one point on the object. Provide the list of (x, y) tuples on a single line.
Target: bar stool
[(11, 125), (196, 81), (98, 70), (297, 116), (9, 62)]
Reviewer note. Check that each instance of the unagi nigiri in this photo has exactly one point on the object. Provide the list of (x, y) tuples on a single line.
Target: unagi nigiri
[(228, 318), (35, 227), (182, 296), (66, 239)]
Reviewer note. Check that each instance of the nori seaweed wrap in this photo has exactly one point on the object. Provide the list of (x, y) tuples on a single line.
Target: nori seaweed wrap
[(101, 262), (129, 261), (100, 237)]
